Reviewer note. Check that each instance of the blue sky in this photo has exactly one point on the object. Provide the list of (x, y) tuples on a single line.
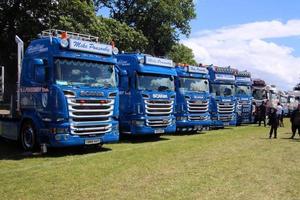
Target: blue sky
[(262, 36)]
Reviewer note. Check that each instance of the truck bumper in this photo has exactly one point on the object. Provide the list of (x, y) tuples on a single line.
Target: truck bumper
[(67, 139), (146, 130), (218, 123), (192, 125)]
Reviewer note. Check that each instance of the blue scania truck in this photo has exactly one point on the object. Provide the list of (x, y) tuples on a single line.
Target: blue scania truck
[(192, 98), (147, 94), (66, 93), (223, 100), (244, 97)]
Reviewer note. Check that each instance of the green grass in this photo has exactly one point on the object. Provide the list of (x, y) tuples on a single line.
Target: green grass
[(234, 163)]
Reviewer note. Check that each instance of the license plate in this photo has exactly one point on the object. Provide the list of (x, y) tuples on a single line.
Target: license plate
[(159, 131), (198, 127), (226, 123), (92, 141)]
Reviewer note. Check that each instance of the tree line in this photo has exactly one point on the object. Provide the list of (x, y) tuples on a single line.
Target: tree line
[(150, 26)]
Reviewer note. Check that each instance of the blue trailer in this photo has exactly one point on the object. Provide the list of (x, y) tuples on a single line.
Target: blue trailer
[(192, 98), (223, 100), (244, 97), (147, 94), (66, 93)]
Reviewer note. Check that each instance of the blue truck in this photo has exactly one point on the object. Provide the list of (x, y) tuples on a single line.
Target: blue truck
[(147, 94), (244, 97), (192, 98), (223, 100), (66, 93)]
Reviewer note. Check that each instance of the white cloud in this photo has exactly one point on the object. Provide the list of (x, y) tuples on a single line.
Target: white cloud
[(244, 47)]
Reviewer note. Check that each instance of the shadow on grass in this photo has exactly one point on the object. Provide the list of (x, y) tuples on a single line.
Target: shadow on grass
[(141, 138), (188, 133), (10, 150)]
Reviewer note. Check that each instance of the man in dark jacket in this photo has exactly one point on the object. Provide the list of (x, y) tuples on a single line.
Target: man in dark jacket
[(273, 122), (262, 114), (295, 121)]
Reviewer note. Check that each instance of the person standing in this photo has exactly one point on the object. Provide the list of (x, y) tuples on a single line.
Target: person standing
[(279, 113), (262, 114), (295, 121), (254, 110), (273, 122)]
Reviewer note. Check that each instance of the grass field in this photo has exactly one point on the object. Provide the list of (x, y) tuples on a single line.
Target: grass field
[(233, 163)]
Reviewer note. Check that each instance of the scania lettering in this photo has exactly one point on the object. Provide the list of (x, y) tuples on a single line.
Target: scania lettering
[(147, 94), (243, 93), (223, 101), (66, 93), (192, 98)]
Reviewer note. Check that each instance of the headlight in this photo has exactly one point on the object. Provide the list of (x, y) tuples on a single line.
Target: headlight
[(138, 122), (182, 118)]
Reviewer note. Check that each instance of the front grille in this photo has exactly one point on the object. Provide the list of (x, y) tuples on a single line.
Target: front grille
[(159, 112), (225, 118), (225, 108), (198, 118), (159, 122), (90, 117), (159, 107)]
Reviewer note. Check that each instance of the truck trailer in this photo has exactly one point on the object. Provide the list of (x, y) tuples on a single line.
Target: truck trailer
[(147, 94), (223, 100), (66, 93), (192, 98), (243, 95)]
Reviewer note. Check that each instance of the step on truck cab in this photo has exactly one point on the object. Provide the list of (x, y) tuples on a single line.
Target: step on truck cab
[(243, 93), (66, 93), (192, 98), (223, 101), (147, 94)]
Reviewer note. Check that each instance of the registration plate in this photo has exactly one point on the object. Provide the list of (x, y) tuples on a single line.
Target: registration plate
[(226, 123), (92, 141), (157, 131)]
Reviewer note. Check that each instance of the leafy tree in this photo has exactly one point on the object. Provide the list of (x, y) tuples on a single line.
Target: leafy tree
[(182, 54), (160, 21)]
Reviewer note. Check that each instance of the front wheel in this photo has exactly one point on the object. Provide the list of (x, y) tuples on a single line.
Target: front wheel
[(28, 136)]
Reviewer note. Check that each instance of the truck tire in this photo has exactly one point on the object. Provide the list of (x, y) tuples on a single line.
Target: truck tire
[(28, 136)]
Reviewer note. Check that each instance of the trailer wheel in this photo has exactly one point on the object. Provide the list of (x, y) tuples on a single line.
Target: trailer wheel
[(28, 136)]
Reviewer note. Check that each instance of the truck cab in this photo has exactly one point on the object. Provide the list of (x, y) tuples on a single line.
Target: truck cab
[(259, 91), (192, 98), (243, 95), (147, 94), (272, 96), (223, 100), (67, 93), (283, 100)]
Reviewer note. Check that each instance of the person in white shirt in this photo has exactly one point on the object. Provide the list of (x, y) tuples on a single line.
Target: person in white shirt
[(279, 114)]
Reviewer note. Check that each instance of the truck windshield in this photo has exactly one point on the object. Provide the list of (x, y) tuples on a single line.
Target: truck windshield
[(243, 90), (222, 90), (77, 72), (194, 84), (155, 82), (283, 100), (273, 94), (259, 94), (291, 99)]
